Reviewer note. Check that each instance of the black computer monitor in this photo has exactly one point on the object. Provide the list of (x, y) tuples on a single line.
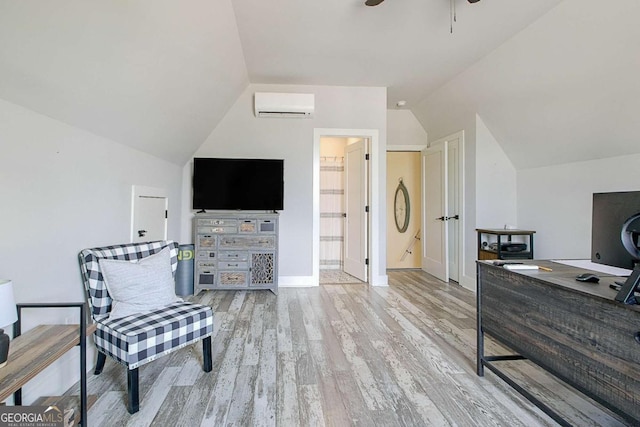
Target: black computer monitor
[(611, 213)]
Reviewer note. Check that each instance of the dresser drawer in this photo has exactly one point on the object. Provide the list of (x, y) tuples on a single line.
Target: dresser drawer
[(233, 256), (263, 242), (207, 265), (233, 265), (217, 221), (232, 278), (247, 242), (206, 279), (219, 229), (202, 255), (207, 241), (267, 226), (247, 226)]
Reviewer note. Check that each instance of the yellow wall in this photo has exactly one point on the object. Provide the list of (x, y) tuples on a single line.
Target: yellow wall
[(332, 147), (405, 165)]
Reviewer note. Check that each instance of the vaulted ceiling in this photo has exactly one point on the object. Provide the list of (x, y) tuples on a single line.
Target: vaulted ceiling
[(404, 45), (159, 75)]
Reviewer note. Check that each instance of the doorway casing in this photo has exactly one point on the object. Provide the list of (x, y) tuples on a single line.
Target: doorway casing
[(375, 278), (458, 205)]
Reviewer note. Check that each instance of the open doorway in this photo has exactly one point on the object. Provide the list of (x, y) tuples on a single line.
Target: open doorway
[(404, 210), (341, 250), (361, 222)]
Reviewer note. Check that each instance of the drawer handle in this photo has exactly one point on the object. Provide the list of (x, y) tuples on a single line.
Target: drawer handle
[(637, 337), (233, 265)]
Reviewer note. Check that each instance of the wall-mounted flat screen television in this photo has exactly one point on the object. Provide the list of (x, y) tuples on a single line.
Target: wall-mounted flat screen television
[(238, 184), (613, 227)]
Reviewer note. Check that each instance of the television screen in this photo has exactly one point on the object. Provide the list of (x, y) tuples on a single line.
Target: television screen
[(238, 184), (611, 211)]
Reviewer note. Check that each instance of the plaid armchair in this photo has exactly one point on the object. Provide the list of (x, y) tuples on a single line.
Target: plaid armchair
[(140, 338)]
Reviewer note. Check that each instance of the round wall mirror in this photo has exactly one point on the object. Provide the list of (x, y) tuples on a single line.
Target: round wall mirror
[(401, 207)]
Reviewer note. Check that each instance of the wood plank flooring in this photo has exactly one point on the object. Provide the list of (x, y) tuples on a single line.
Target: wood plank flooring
[(338, 355)]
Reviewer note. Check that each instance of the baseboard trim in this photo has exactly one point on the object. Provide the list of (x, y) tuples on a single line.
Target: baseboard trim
[(380, 280), (468, 282), (297, 282), (311, 281)]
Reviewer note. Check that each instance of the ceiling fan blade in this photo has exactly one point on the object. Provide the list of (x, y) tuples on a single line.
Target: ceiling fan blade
[(373, 2)]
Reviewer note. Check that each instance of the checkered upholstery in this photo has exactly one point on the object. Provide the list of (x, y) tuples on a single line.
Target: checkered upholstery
[(99, 298), (140, 338)]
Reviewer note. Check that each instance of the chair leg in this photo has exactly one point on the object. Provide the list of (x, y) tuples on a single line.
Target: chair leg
[(206, 354), (133, 395), (100, 363)]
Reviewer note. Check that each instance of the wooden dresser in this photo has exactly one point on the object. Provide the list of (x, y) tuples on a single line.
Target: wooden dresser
[(236, 251)]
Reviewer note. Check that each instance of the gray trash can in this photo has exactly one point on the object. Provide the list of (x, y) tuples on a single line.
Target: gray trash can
[(184, 273)]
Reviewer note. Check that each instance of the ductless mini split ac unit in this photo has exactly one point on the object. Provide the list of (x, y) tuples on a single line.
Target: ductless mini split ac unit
[(270, 104)]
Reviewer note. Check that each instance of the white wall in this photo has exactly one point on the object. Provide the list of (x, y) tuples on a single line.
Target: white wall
[(63, 189), (554, 92), (241, 134), (495, 182), (404, 130), (556, 201)]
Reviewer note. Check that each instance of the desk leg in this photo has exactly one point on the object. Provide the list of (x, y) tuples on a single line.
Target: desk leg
[(480, 334), (83, 367)]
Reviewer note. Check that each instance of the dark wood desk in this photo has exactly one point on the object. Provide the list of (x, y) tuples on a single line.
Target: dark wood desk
[(572, 329)]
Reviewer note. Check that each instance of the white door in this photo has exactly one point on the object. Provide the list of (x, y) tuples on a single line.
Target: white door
[(434, 186), (453, 206), (149, 221), (355, 193)]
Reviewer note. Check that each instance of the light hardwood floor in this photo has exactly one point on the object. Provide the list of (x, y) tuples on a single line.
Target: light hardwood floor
[(338, 355)]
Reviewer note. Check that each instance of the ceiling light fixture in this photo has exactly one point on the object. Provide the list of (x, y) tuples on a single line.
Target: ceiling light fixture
[(452, 9), (377, 2)]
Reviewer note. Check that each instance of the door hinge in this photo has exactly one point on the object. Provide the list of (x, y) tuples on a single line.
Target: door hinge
[(366, 261), (166, 214), (366, 156), (366, 209)]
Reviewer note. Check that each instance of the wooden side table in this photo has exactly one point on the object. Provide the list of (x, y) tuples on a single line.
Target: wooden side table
[(30, 353)]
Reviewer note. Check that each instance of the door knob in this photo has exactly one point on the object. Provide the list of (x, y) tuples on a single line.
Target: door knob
[(442, 218), (453, 217)]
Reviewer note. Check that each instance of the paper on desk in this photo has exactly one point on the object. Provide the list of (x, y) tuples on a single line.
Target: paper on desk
[(600, 268), (520, 267)]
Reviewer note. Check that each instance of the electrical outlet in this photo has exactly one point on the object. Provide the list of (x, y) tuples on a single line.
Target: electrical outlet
[(68, 320)]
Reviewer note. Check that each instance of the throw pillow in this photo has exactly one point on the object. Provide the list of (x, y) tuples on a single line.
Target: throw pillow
[(137, 286)]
